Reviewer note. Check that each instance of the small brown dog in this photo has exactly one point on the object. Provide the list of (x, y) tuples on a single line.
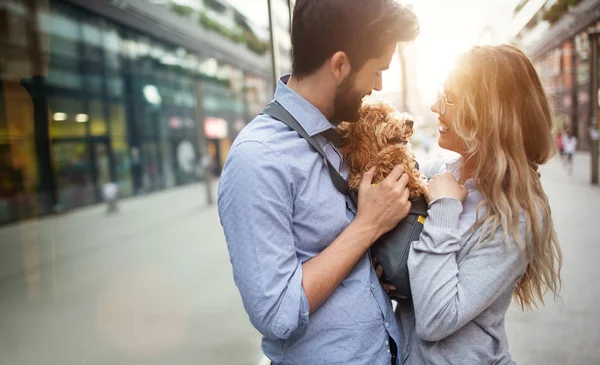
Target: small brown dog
[(380, 138)]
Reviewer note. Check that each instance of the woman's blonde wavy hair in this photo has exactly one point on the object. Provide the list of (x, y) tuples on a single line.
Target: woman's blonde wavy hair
[(504, 117)]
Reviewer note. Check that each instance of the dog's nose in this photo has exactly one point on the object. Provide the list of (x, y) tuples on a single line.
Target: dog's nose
[(409, 123)]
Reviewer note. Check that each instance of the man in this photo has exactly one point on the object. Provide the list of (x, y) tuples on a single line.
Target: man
[(298, 247)]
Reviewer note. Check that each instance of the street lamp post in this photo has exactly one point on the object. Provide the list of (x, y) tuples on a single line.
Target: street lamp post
[(291, 4), (274, 44), (594, 132)]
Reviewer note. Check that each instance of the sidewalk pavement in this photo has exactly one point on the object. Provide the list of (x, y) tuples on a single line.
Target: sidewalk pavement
[(151, 284), (566, 331)]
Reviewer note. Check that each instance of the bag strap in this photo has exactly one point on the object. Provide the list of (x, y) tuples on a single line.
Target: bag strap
[(277, 111)]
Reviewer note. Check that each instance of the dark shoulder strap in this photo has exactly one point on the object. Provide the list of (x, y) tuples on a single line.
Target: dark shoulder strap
[(277, 111)]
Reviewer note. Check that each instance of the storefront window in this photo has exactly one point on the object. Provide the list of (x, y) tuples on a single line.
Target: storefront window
[(151, 166), (123, 106), (114, 86), (68, 118), (118, 138), (167, 163), (73, 174), (94, 84), (102, 162), (18, 164), (64, 34), (97, 120), (64, 78), (92, 41), (113, 47)]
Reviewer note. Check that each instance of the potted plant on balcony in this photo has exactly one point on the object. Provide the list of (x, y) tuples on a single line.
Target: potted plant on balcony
[(181, 10), (556, 11)]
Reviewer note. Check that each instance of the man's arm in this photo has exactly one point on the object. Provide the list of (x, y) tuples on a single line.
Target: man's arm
[(256, 197)]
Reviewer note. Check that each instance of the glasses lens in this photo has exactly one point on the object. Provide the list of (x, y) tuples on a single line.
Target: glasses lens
[(442, 103)]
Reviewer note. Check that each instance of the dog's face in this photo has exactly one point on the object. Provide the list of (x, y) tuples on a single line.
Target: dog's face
[(380, 125)]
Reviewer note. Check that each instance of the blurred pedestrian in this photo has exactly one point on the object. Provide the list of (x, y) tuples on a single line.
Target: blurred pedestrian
[(569, 143), (110, 192), (489, 237), (560, 145), (299, 255)]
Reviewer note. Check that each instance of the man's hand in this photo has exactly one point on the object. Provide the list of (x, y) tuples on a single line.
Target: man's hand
[(383, 206)]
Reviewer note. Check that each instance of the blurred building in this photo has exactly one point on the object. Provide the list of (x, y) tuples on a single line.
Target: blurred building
[(554, 33), (131, 91)]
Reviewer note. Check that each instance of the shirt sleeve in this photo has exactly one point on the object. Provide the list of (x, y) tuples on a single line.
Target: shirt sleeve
[(448, 295), (255, 207)]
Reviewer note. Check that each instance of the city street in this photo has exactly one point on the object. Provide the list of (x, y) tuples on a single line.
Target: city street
[(152, 284)]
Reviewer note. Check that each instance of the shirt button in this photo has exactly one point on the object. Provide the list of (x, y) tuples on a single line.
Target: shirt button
[(387, 343), (388, 351), (372, 286), (387, 325)]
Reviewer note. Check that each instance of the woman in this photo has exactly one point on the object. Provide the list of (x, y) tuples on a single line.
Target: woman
[(489, 236)]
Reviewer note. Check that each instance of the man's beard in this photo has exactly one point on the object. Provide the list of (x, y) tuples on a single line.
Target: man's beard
[(347, 102)]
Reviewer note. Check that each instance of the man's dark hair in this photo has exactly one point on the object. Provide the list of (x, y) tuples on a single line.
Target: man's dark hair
[(360, 28)]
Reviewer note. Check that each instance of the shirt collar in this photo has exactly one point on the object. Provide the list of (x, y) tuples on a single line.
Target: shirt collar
[(454, 167), (307, 115)]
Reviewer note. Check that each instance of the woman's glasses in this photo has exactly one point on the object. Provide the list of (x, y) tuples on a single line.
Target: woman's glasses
[(443, 102)]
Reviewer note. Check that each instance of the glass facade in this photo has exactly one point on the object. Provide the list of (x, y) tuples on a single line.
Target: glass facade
[(565, 72), (85, 101)]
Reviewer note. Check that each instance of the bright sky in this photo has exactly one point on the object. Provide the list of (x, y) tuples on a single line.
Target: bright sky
[(448, 28)]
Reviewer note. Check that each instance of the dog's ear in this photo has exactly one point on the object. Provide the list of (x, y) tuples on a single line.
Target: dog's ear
[(390, 134), (348, 136), (344, 129)]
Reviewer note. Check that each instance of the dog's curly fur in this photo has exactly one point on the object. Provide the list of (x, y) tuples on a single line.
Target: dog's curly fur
[(380, 138)]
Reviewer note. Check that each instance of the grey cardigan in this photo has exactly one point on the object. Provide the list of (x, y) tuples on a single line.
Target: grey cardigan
[(460, 293)]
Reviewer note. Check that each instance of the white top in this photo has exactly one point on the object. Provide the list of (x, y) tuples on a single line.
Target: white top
[(468, 216), (569, 143)]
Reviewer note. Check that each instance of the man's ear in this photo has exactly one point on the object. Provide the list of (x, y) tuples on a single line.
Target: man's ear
[(340, 67)]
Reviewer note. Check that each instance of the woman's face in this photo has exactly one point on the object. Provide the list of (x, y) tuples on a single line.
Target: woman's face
[(447, 100)]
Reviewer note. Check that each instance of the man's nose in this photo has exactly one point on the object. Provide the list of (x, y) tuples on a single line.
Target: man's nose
[(378, 84)]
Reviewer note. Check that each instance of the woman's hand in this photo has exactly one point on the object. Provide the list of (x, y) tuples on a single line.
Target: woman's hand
[(445, 186)]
